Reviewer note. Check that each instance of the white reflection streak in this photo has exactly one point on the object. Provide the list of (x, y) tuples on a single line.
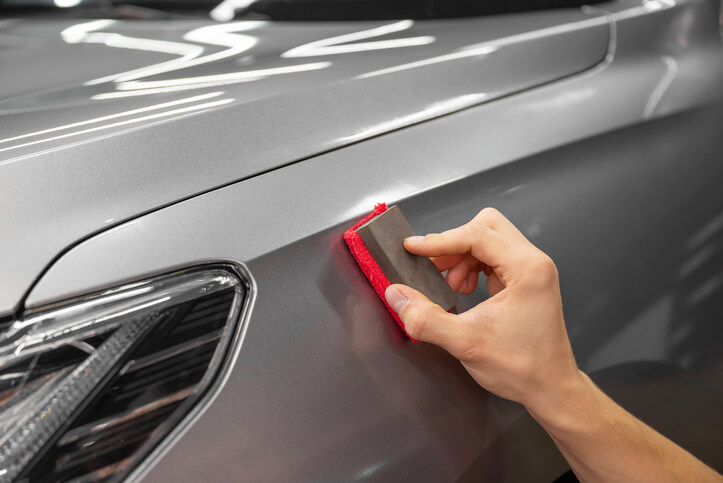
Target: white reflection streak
[(76, 33), (655, 97), (160, 90), (66, 3), (226, 10), (232, 77), (330, 45), (436, 109), (479, 51), (114, 116), (221, 35), (653, 5), (646, 7), (488, 47), (84, 33), (124, 123)]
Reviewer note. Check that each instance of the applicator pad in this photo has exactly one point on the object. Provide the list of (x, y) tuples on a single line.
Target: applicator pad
[(377, 244)]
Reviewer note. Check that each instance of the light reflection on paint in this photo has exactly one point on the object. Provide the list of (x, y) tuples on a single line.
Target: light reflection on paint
[(66, 3), (226, 10), (476, 52), (224, 35), (433, 110), (132, 112), (563, 100), (85, 33), (150, 117), (127, 83), (646, 7), (653, 5), (485, 48), (160, 90), (671, 70), (331, 45), (232, 77)]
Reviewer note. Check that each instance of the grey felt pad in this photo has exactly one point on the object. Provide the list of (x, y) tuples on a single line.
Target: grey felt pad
[(383, 236)]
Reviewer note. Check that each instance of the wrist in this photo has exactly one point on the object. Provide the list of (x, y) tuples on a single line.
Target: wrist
[(559, 405)]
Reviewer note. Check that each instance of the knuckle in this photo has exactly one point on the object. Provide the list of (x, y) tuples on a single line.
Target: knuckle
[(488, 217), (489, 214), (477, 228), (544, 269)]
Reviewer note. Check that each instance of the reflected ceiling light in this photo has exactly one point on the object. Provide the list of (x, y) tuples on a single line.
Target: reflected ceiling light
[(485, 48), (653, 5), (227, 9), (245, 76), (476, 52), (123, 42), (671, 70), (76, 33), (218, 35), (150, 117), (132, 112), (159, 90), (646, 7), (432, 110), (66, 3), (86, 33), (331, 45)]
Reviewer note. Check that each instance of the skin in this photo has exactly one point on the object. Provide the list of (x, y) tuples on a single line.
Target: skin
[(515, 345)]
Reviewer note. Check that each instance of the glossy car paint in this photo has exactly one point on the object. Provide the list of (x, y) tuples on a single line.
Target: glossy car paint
[(77, 161), (614, 171)]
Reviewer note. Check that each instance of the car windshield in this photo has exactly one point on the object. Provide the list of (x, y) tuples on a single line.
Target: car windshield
[(285, 10)]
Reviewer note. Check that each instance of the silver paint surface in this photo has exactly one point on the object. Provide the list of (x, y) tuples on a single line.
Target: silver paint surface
[(615, 172), (73, 162)]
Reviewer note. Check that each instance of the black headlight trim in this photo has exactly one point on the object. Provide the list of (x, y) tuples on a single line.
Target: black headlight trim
[(169, 378)]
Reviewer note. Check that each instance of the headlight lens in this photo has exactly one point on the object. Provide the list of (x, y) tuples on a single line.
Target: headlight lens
[(89, 387)]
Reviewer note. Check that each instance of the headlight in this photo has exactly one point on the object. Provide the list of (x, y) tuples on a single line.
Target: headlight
[(88, 388)]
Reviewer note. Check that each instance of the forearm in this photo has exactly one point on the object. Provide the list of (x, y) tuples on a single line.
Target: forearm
[(603, 442)]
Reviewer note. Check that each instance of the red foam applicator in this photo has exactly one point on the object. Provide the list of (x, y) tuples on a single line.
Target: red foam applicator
[(377, 244), (366, 262)]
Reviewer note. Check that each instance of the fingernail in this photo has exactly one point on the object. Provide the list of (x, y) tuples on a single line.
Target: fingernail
[(414, 239), (395, 298)]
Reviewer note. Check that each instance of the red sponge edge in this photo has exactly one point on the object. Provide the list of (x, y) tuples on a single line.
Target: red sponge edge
[(365, 261)]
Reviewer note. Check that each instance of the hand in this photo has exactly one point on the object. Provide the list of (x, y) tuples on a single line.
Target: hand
[(514, 344)]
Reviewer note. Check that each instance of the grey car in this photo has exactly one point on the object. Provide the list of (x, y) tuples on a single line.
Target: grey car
[(176, 299)]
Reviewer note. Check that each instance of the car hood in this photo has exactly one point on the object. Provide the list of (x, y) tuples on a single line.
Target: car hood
[(105, 120)]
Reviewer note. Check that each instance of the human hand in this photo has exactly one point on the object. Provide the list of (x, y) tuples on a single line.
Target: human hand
[(513, 344)]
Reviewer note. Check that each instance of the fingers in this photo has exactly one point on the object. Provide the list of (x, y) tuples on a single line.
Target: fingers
[(470, 283), (494, 285), (422, 319), (499, 250), (445, 263), (483, 243), (458, 274)]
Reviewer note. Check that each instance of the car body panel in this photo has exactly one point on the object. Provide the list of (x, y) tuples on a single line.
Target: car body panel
[(615, 172), (325, 387), (75, 162)]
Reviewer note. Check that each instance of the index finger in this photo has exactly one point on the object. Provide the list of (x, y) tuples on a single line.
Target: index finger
[(492, 218), (475, 238)]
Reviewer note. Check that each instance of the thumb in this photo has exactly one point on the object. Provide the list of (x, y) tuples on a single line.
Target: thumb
[(423, 320)]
